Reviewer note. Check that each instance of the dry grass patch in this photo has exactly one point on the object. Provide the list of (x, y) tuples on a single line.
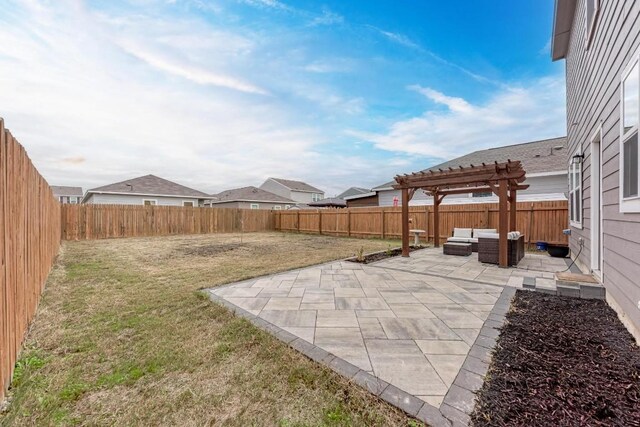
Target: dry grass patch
[(123, 336)]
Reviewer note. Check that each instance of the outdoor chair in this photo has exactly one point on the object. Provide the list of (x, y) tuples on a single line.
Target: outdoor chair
[(489, 248), (469, 235)]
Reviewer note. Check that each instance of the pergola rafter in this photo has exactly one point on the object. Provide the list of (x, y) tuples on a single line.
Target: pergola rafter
[(503, 179)]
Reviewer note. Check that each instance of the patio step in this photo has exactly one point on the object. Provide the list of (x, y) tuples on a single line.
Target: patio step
[(567, 285)]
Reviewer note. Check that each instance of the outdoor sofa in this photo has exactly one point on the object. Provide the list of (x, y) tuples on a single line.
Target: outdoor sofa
[(489, 247), (469, 235)]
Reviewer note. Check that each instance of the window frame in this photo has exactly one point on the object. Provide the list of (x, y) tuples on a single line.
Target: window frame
[(628, 204), (575, 192), (277, 208), (590, 24), (193, 205), (316, 197), (155, 202), (257, 206)]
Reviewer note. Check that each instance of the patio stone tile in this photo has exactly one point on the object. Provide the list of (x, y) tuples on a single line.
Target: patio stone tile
[(402, 363), (292, 318), (371, 292), (349, 292), (274, 292), (469, 298), (418, 311), (314, 297), (336, 319), (427, 329), (278, 303), (346, 343), (361, 304), (446, 365), (304, 333), (456, 316), (239, 292), (399, 398), (252, 305), (443, 347), (318, 306), (296, 293), (434, 400), (434, 297), (468, 335), (375, 313), (371, 328)]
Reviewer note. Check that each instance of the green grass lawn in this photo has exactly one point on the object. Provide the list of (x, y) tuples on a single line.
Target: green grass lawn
[(123, 336)]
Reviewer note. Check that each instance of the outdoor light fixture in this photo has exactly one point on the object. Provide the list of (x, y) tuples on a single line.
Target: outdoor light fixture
[(577, 159)]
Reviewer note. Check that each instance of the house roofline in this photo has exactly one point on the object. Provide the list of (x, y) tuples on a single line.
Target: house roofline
[(208, 201), (563, 15), (128, 193), (361, 196)]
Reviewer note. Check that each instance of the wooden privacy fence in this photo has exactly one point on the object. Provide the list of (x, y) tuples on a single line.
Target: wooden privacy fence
[(82, 222), (29, 243), (538, 221)]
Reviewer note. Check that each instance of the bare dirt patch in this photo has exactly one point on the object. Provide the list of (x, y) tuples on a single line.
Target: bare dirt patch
[(123, 336), (561, 362)]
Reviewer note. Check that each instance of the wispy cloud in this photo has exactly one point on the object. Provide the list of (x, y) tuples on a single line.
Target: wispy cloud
[(518, 113), (327, 18)]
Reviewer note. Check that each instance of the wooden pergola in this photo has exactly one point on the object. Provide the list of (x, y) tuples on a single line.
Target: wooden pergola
[(503, 179)]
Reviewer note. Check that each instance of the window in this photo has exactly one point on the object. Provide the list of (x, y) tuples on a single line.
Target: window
[(277, 208), (482, 194), (187, 204), (593, 7), (575, 192), (630, 116), (73, 200), (254, 206), (287, 206), (149, 202), (316, 197)]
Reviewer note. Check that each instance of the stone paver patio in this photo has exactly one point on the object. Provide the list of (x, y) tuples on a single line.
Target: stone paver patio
[(416, 331)]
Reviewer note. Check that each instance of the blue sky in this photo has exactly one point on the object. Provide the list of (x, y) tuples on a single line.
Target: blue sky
[(221, 94)]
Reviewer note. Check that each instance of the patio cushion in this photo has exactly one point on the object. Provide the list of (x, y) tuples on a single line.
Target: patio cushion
[(459, 240), (462, 232), (513, 235), (488, 235), (477, 231)]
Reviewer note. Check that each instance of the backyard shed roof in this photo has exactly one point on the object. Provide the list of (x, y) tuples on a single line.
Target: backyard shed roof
[(297, 185), (63, 190), (151, 185), (352, 191), (248, 194)]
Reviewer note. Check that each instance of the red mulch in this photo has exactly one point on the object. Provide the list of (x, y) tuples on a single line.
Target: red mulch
[(561, 362)]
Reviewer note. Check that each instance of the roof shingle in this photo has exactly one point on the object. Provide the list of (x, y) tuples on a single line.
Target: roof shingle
[(249, 194), (297, 185), (149, 184)]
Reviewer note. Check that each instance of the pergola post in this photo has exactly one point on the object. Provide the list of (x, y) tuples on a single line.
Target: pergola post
[(512, 210), (504, 224), (436, 219), (405, 222)]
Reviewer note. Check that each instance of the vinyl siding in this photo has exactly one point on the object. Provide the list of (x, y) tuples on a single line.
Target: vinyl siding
[(123, 199), (276, 188), (593, 80)]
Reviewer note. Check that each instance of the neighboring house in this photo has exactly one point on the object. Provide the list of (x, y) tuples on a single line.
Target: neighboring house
[(145, 190), (545, 162), (249, 198), (329, 202), (352, 191), (299, 191), (600, 42), (66, 194)]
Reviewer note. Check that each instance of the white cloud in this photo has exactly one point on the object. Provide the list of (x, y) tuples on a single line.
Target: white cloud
[(518, 113), (327, 18)]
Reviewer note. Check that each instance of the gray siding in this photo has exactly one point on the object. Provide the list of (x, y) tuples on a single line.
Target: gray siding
[(593, 99), (276, 188), (540, 188), (247, 205), (123, 199)]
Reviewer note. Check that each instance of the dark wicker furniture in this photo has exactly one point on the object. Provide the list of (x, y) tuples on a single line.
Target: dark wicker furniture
[(488, 250), (461, 249)]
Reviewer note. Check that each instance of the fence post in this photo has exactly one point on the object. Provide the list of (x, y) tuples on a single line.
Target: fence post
[(348, 223), (298, 220), (319, 221), (382, 221)]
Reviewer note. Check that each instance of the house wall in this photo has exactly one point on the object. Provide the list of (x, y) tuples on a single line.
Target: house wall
[(123, 199), (303, 196), (543, 186), (593, 79), (247, 205), (276, 188)]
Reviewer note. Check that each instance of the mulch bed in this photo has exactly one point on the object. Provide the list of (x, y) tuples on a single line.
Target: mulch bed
[(561, 362), (383, 255)]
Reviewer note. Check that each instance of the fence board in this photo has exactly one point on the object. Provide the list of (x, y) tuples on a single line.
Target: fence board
[(538, 221), (83, 222), (29, 242)]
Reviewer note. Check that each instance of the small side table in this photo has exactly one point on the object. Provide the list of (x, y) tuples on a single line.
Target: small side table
[(416, 236)]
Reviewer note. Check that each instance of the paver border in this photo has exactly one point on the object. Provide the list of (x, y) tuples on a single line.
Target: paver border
[(459, 400)]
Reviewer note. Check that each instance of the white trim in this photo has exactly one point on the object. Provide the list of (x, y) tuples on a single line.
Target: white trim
[(629, 204), (277, 208), (597, 234), (576, 189), (590, 27), (155, 202), (538, 174), (257, 206), (193, 204)]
